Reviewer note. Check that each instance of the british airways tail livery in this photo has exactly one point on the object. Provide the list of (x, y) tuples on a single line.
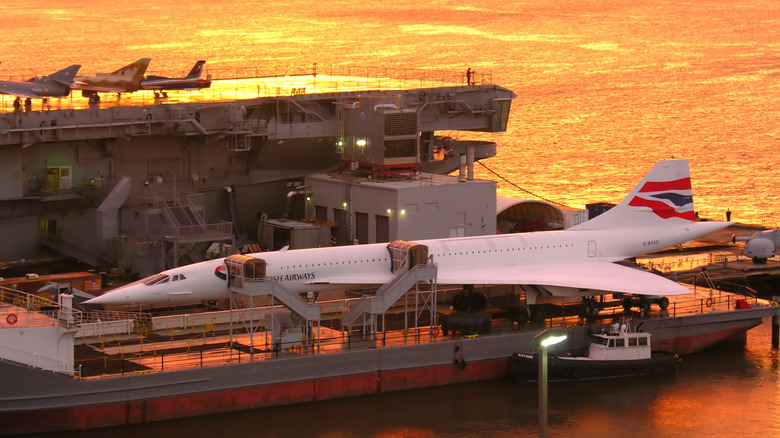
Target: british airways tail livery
[(579, 261)]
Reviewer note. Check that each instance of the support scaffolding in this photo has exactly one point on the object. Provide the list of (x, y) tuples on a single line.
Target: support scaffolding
[(247, 276), (411, 266)]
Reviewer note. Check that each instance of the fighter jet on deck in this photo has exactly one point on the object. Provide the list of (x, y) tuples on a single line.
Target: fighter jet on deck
[(55, 85), (193, 81), (125, 80)]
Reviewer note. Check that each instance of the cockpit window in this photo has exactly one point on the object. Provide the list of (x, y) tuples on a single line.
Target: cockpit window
[(155, 279), (178, 277)]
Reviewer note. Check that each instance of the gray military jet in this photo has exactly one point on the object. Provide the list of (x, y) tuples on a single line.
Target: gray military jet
[(54, 85)]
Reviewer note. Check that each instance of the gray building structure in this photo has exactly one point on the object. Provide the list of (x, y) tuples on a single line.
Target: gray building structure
[(151, 186), (426, 206)]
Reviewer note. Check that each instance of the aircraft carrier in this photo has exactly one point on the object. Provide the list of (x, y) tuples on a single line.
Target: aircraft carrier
[(118, 184)]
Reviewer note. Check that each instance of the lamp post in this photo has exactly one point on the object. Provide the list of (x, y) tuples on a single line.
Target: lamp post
[(544, 340)]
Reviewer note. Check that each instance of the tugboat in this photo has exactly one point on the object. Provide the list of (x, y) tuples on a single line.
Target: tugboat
[(619, 353)]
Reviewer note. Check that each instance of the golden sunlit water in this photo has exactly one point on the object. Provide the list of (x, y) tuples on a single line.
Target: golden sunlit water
[(605, 89)]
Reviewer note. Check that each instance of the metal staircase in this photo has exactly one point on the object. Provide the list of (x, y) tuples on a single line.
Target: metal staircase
[(389, 294), (290, 300), (184, 214), (247, 277)]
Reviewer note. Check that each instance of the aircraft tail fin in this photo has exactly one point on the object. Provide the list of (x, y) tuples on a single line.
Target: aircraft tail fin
[(664, 194), (64, 76), (136, 70), (197, 70)]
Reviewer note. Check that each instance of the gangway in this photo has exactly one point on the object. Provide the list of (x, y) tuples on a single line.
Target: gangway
[(704, 275), (411, 265), (247, 276)]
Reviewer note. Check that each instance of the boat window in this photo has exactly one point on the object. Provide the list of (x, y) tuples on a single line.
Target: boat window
[(598, 340), (156, 279), (620, 343), (643, 341), (632, 342)]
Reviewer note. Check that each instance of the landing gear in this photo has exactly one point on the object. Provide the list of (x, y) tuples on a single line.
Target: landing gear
[(537, 314), (644, 302), (469, 316), (644, 306), (91, 95), (518, 315), (590, 307)]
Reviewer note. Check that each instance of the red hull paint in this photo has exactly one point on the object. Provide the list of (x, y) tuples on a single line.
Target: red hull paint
[(137, 412), (690, 344)]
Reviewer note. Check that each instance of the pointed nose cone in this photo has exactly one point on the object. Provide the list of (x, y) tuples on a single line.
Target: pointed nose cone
[(128, 294), (113, 297)]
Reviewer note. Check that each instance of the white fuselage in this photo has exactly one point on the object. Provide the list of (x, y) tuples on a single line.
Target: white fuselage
[(344, 267)]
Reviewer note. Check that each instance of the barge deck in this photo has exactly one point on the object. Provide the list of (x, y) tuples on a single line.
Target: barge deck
[(190, 369)]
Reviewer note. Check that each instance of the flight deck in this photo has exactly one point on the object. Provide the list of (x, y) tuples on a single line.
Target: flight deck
[(242, 84)]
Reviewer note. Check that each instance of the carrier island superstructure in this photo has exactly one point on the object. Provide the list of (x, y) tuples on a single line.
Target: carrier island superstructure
[(144, 183)]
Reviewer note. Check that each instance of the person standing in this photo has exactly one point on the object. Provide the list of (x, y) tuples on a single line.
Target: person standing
[(728, 215)]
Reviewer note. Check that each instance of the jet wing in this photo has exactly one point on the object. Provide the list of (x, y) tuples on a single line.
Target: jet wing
[(86, 86), (595, 276), (20, 93)]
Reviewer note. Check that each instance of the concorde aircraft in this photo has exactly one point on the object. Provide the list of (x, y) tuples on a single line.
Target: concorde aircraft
[(54, 85), (577, 262)]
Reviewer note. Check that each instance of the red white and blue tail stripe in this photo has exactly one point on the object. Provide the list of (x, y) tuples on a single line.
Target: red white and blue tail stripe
[(663, 195), (667, 198)]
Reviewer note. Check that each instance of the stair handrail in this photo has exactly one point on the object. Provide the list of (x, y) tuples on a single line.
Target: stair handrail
[(348, 318)]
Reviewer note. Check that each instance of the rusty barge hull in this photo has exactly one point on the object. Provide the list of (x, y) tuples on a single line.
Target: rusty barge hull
[(40, 401)]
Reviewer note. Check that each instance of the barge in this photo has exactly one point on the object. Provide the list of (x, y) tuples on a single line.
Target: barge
[(66, 370)]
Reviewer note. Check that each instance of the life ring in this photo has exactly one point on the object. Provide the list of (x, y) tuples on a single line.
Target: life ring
[(708, 303), (11, 318)]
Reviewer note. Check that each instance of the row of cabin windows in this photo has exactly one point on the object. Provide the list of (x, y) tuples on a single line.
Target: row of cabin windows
[(348, 262), (501, 250), (440, 255), (620, 342)]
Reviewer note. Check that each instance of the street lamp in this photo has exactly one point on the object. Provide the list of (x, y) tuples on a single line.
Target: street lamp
[(544, 340)]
